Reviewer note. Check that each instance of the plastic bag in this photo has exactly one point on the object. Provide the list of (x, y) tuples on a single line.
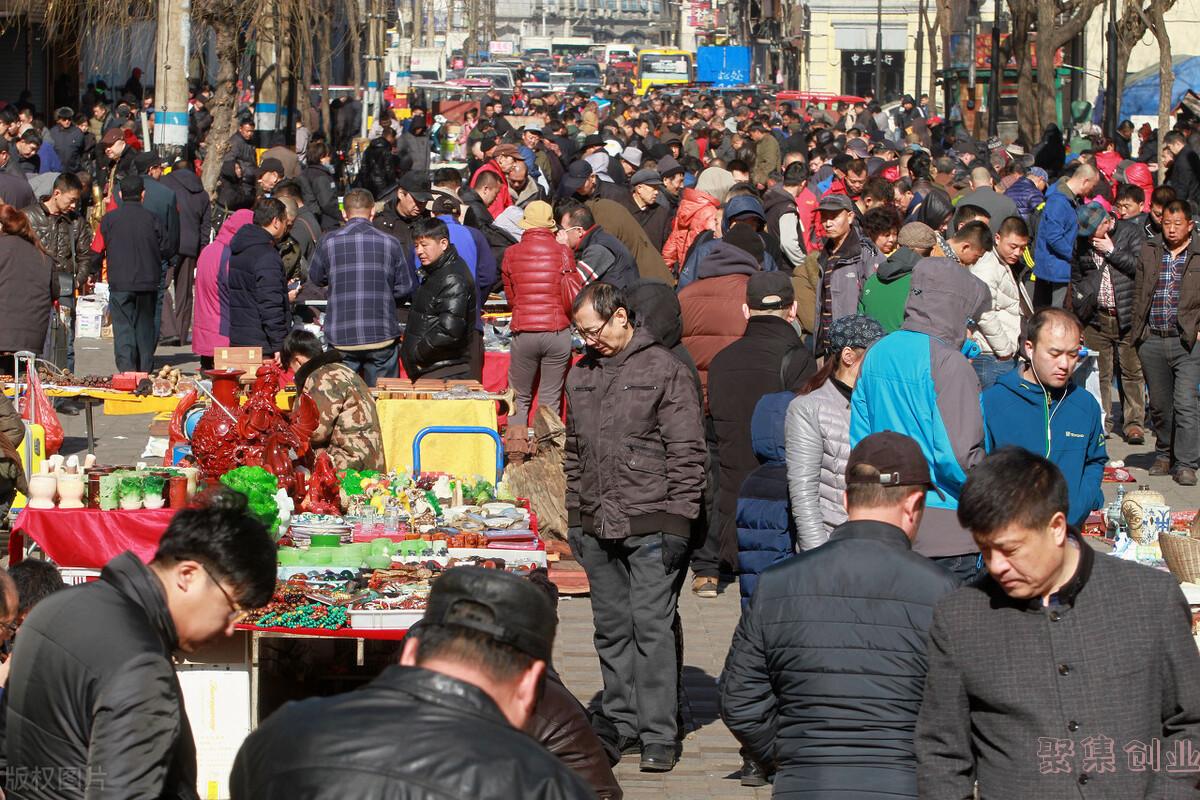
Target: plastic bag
[(38, 408)]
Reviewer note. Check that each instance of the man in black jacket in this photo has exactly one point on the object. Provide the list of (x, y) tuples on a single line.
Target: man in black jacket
[(94, 705), (67, 140), (770, 357), (405, 206), (160, 201), (320, 186), (824, 676), (469, 678), (133, 240), (437, 338), (194, 225), (258, 301)]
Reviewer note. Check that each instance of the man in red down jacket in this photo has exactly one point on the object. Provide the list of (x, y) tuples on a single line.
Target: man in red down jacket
[(533, 271)]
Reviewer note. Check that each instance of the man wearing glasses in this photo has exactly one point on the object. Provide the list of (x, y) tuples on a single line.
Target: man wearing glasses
[(635, 460), (94, 706)]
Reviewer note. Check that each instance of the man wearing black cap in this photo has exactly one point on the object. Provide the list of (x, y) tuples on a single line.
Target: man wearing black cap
[(769, 357), (825, 674), (846, 261), (270, 173), (134, 242), (645, 187), (444, 722), (404, 207)]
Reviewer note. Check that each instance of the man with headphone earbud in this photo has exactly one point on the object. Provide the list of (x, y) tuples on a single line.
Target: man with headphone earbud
[(1039, 408)]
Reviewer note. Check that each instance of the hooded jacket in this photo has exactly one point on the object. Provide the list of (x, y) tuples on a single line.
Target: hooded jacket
[(1067, 430), (705, 240), (635, 452), (93, 689), (999, 328), (765, 533), (210, 316), (258, 302), (656, 308), (194, 210), (712, 306), (916, 381), (1026, 195), (697, 212), (885, 294), (1054, 248)]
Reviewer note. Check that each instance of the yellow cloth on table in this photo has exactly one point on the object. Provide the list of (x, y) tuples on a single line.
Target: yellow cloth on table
[(462, 455)]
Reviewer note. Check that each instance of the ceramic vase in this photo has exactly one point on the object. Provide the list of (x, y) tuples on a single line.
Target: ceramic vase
[(70, 491), (108, 492), (212, 437), (42, 488)]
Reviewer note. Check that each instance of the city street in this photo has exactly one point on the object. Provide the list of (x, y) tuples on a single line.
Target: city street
[(710, 763)]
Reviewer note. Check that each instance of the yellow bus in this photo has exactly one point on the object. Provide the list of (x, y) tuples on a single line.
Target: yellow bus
[(661, 67)]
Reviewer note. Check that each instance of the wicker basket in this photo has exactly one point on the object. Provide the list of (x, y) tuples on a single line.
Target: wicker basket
[(1182, 554)]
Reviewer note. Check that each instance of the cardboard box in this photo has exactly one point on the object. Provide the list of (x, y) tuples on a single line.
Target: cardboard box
[(247, 359)]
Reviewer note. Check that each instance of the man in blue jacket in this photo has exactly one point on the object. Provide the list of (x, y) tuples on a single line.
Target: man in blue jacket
[(1054, 249), (917, 381), (258, 302), (1040, 409)]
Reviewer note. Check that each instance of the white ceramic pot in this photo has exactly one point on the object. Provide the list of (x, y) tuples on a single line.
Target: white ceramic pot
[(41, 491), (70, 491), (131, 502), (153, 501)]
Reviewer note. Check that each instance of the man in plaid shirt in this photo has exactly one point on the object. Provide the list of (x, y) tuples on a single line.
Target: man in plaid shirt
[(1166, 313), (367, 274)]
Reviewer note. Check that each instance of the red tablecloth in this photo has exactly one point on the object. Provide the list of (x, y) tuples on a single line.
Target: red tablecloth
[(377, 634), (88, 537)]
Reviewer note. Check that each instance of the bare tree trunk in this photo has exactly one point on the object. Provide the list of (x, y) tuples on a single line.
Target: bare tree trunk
[(224, 101), (326, 69), (1027, 117), (1054, 31), (1166, 74), (1131, 27), (354, 36)]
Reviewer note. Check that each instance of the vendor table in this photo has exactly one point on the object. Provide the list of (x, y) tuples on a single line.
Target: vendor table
[(88, 538), (115, 404)]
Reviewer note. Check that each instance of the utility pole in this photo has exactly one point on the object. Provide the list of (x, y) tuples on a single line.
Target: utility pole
[(997, 76), (1110, 90), (879, 51), (920, 47), (170, 76)]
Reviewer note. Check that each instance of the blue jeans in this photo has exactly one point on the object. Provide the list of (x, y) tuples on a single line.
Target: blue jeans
[(373, 364), (990, 369), (964, 567)]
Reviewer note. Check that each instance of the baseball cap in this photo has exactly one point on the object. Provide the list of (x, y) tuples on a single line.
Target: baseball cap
[(897, 461), (144, 162), (508, 609), (769, 291), (111, 137), (533, 127), (417, 184), (577, 175), (836, 202), (646, 176), (1038, 172)]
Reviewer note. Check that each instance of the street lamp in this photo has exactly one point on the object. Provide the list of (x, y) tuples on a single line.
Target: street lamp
[(879, 51)]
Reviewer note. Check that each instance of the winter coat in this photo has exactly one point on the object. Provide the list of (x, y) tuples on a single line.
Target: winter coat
[(712, 305), (706, 239), (66, 238), (783, 222), (560, 724), (241, 150), (414, 149), (380, 168), (1128, 237), (94, 690), (608, 258), (770, 357), (458, 743), (885, 294), (234, 193), (1026, 195), (1054, 248), (441, 318), (367, 274), (655, 219), (27, 289), (848, 270), (1184, 176), (134, 241), (320, 191), (210, 320), (1019, 412), (504, 196), (825, 675), (697, 212), (194, 210), (656, 308), (767, 159), (916, 381), (998, 331), (818, 447), (1148, 270), (15, 190), (287, 157), (635, 453), (616, 220), (160, 201), (68, 144), (533, 272), (348, 427), (258, 303), (765, 534)]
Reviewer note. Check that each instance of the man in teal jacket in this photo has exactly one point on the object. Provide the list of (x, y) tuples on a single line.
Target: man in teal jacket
[(917, 381), (1040, 409)]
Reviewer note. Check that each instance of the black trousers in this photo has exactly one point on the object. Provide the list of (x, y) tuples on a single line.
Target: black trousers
[(134, 332)]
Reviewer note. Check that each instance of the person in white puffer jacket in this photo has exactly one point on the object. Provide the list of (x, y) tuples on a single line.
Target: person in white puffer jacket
[(817, 432), (999, 329)]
